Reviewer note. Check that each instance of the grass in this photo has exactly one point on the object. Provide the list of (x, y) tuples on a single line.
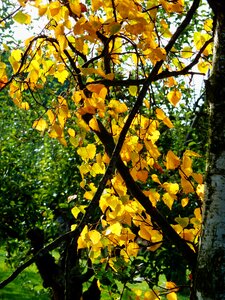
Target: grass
[(27, 285)]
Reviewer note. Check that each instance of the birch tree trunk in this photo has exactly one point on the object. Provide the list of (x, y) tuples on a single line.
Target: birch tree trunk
[(209, 279)]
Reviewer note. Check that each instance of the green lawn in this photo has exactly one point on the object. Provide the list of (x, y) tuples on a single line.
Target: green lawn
[(27, 285)]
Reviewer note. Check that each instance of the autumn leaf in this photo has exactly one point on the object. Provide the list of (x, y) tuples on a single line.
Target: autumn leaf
[(174, 96), (87, 152), (172, 161), (40, 124)]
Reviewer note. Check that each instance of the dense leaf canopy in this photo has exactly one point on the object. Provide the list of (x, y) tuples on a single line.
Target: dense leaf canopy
[(113, 82)]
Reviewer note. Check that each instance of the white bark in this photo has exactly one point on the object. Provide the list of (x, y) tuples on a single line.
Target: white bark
[(210, 271)]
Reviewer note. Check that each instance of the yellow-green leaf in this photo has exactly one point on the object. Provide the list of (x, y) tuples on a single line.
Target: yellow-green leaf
[(22, 18), (133, 90), (187, 52)]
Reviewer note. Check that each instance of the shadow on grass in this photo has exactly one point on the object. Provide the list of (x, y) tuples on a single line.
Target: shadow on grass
[(28, 285)]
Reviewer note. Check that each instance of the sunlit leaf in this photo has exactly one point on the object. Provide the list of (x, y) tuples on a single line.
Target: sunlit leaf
[(94, 236), (168, 199), (171, 296), (22, 18), (172, 161), (174, 96), (40, 124), (115, 228), (151, 295), (184, 202), (94, 124), (208, 25), (187, 52), (133, 90), (87, 152)]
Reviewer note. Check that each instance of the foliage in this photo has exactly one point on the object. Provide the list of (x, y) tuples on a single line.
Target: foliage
[(122, 72)]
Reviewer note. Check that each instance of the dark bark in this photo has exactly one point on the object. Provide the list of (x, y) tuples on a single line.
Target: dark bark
[(65, 278), (48, 269)]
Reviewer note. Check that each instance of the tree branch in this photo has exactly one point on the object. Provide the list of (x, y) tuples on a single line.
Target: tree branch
[(108, 142)]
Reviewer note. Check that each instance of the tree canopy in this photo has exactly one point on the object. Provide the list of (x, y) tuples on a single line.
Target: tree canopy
[(114, 82)]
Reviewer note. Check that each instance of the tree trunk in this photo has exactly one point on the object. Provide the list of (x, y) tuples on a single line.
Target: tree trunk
[(209, 279)]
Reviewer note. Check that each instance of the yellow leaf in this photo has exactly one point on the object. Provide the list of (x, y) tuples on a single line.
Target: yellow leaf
[(51, 116), (200, 39), (40, 124), (171, 285), (17, 54), (75, 211), (142, 175), (54, 8), (22, 18), (204, 66), (115, 27), (55, 131), (133, 90), (63, 43), (132, 249), (153, 197), (191, 153), (117, 106), (93, 123), (155, 178), (95, 88), (208, 25), (61, 75), (73, 227), (116, 229), (87, 152), (71, 132), (186, 166), (184, 202), (25, 105), (161, 116), (42, 10), (62, 141), (174, 96), (94, 236), (96, 4), (154, 247), (171, 188), (151, 295), (198, 215), (200, 191), (187, 52), (144, 233), (171, 296), (168, 199), (197, 177), (75, 7), (90, 194), (81, 243), (172, 161), (186, 186), (134, 58)]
